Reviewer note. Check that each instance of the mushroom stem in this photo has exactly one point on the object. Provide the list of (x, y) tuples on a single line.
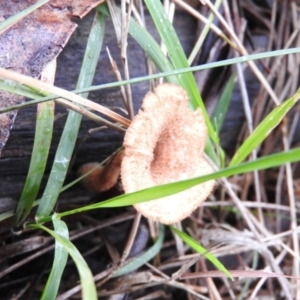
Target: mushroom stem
[(103, 178)]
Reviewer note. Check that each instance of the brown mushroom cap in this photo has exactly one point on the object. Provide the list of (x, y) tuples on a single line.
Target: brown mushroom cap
[(102, 178), (163, 144)]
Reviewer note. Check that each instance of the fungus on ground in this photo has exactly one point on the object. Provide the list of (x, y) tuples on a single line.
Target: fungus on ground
[(102, 178), (163, 144)]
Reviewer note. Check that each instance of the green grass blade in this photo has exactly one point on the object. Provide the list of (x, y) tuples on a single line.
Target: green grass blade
[(203, 34), (178, 58), (69, 136), (174, 49), (263, 130), (220, 111), (60, 260), (152, 49), (11, 86), (22, 90), (217, 157), (86, 277), (17, 17), (217, 118), (270, 161), (195, 245), (143, 258), (42, 141)]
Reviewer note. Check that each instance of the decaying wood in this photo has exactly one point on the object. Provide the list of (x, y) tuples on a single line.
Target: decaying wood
[(91, 147)]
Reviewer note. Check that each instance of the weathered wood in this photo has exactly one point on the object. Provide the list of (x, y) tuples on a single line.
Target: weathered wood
[(96, 147), (17, 153)]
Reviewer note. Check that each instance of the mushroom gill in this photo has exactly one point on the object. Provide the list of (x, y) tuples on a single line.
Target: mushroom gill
[(163, 144)]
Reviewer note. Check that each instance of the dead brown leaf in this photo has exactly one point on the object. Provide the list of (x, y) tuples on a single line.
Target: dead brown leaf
[(30, 44)]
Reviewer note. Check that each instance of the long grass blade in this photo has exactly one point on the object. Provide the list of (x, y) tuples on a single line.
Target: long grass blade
[(197, 247), (143, 258), (14, 87), (217, 118), (48, 89), (60, 260), (221, 109), (68, 139), (178, 58), (263, 130), (40, 151), (149, 194), (86, 277), (42, 141), (22, 14)]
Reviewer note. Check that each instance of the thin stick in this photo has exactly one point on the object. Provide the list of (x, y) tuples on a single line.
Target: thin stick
[(132, 236)]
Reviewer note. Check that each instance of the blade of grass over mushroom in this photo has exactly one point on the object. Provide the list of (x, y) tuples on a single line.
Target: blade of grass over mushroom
[(197, 247), (263, 130), (10, 85), (19, 16), (69, 135), (149, 194), (59, 263), (143, 258), (42, 141), (178, 58), (86, 277)]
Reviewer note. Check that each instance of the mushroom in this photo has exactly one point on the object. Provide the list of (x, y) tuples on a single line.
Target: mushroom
[(163, 144), (102, 178)]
